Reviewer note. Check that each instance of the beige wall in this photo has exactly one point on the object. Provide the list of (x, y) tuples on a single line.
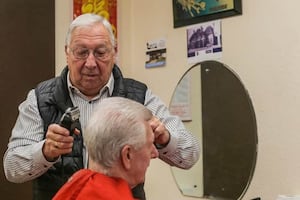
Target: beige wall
[(262, 46)]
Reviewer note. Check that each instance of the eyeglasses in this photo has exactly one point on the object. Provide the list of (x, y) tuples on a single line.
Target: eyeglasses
[(83, 53)]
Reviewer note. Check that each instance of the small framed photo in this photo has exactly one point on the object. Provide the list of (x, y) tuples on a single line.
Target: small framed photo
[(187, 12)]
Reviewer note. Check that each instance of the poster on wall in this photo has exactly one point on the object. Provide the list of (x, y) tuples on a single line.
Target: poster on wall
[(156, 53), (204, 42), (105, 8)]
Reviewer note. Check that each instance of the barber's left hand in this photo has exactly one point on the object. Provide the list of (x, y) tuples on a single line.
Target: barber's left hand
[(161, 134)]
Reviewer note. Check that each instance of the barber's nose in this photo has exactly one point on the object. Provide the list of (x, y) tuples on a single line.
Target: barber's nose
[(91, 60)]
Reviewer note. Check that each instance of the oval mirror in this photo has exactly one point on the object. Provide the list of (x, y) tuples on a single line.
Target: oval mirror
[(215, 106)]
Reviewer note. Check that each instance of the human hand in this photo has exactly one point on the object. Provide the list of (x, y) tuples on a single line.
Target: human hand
[(58, 142), (161, 134)]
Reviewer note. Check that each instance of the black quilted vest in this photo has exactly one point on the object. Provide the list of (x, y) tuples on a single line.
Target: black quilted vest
[(53, 99)]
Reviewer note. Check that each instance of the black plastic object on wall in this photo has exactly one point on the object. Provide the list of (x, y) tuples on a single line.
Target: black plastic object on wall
[(229, 132)]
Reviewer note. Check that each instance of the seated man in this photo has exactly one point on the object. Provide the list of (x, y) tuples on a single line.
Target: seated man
[(120, 142)]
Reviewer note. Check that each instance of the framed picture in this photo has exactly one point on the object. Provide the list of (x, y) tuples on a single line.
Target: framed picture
[(187, 12)]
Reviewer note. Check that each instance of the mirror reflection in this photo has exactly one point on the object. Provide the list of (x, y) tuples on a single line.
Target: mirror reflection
[(214, 105)]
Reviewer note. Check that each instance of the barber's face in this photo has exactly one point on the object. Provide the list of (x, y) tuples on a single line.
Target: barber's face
[(142, 158), (90, 58)]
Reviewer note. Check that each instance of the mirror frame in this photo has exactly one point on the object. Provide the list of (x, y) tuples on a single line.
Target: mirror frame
[(229, 133)]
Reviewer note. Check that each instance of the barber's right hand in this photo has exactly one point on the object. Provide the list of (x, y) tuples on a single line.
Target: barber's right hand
[(58, 142)]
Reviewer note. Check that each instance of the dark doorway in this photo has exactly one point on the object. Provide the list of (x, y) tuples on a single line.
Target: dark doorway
[(27, 56)]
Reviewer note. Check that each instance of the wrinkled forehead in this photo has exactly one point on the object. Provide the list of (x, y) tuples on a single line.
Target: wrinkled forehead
[(96, 33)]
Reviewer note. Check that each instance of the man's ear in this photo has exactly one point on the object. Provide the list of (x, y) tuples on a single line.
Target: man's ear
[(115, 54), (67, 54), (66, 49), (126, 156)]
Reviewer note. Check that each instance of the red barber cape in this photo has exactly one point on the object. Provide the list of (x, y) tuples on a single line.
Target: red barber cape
[(89, 185)]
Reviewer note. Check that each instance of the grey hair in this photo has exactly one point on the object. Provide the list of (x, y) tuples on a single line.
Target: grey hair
[(86, 20), (116, 122)]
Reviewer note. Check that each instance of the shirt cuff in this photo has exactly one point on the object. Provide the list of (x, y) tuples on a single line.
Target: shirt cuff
[(170, 147), (39, 157)]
